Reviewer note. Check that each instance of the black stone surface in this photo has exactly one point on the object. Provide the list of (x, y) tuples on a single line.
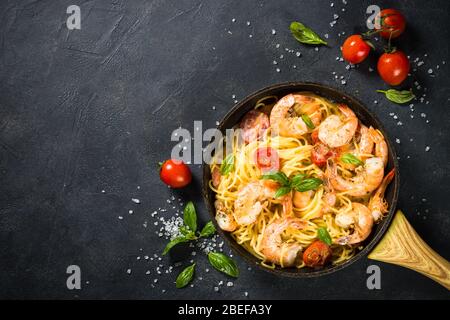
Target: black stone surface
[(88, 110)]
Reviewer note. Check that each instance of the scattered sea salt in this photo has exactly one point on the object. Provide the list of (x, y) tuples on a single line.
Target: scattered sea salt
[(135, 200)]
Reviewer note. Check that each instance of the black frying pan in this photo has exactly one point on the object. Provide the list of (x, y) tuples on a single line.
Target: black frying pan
[(235, 115)]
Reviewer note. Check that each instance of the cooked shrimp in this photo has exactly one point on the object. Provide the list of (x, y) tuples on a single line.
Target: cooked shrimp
[(328, 201), (283, 120), (381, 148), (335, 132), (366, 141), (365, 181), (362, 220), (272, 246), (250, 199), (224, 219), (302, 199), (216, 177), (377, 204)]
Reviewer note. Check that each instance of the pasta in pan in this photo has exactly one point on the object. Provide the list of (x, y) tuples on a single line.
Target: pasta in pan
[(304, 181)]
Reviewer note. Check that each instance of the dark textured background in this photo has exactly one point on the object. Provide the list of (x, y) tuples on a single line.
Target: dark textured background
[(89, 110)]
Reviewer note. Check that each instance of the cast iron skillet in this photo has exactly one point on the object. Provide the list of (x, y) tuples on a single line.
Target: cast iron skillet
[(235, 115)]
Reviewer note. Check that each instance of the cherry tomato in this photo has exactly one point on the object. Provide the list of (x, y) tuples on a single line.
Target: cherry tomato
[(216, 176), (317, 254), (391, 21), (267, 159), (320, 154), (393, 67), (355, 49), (253, 125), (175, 173)]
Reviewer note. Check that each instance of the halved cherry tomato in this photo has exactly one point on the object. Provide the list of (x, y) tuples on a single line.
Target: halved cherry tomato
[(355, 49), (267, 159), (393, 67), (320, 154), (175, 173), (216, 176), (317, 254), (392, 21), (253, 125)]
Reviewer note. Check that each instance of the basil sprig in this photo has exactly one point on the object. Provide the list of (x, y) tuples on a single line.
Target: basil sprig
[(304, 34), (189, 228), (397, 96), (299, 182), (227, 165), (185, 276), (324, 236), (351, 159), (223, 263)]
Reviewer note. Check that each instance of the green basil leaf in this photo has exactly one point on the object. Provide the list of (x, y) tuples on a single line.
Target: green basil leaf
[(190, 216), (307, 121), (208, 230), (324, 236), (278, 177), (223, 263), (174, 242), (308, 184), (185, 276), (282, 191), (227, 165), (304, 34), (397, 96), (295, 180), (351, 159)]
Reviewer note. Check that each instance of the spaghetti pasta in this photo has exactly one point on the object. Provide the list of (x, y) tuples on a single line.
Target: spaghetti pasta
[(296, 158)]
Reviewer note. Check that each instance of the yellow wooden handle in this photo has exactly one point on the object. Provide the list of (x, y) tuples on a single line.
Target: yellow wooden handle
[(401, 245)]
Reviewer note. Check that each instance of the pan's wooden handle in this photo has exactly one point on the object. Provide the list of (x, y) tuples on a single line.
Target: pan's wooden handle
[(401, 245)]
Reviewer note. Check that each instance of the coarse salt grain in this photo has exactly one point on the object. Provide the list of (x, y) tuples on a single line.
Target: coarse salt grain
[(136, 200)]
